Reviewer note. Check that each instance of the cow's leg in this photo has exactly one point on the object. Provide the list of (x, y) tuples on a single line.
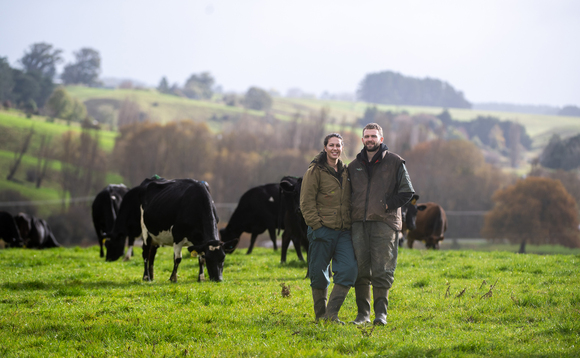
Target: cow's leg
[(149, 252), (101, 243), (285, 244), (152, 253), (146, 249), (130, 243), (409, 242), (252, 242), (176, 261), (272, 231), (296, 241), (201, 261)]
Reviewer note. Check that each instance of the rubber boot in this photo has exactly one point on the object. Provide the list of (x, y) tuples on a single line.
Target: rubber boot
[(363, 303), (381, 302), (335, 301), (319, 298)]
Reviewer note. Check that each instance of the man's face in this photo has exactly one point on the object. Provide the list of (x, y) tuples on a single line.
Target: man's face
[(372, 140)]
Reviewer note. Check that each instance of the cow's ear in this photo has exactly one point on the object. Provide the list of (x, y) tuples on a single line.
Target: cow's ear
[(196, 249), (230, 246), (414, 199), (421, 207)]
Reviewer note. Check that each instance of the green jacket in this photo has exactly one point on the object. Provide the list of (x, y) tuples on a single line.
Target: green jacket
[(371, 193), (324, 196)]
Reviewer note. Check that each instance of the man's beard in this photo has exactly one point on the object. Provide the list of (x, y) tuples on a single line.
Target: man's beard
[(374, 148)]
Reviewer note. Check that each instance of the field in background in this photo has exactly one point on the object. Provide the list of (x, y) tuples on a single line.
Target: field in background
[(67, 302)]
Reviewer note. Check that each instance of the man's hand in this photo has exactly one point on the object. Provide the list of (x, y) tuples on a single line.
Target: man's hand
[(386, 207)]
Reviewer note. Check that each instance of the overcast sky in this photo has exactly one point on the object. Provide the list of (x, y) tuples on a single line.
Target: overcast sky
[(521, 52)]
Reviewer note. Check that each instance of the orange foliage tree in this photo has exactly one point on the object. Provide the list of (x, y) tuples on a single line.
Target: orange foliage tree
[(534, 210), (453, 174)]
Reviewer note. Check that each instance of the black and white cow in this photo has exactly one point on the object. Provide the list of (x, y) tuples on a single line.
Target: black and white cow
[(257, 211), (9, 232), (104, 211), (180, 213), (295, 226), (35, 232)]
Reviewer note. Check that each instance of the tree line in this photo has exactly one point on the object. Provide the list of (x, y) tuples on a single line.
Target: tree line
[(30, 86), (389, 87)]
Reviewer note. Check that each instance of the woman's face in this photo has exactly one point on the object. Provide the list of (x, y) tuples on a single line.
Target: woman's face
[(334, 148)]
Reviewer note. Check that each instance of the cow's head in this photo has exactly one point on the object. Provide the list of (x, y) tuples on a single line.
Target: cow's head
[(214, 254), (432, 243), (115, 246), (290, 192), (409, 213), (24, 224)]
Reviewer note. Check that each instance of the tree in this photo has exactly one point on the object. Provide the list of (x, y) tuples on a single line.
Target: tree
[(85, 70), (6, 80), (19, 153), (164, 86), (41, 58), (199, 86), (60, 104), (572, 111), (258, 99), (561, 154), (453, 174), (390, 87), (534, 210)]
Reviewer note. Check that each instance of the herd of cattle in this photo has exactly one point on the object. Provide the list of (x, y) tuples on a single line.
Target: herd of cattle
[(181, 213)]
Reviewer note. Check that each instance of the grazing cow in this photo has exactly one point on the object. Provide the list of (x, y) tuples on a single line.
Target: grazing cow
[(181, 213), (35, 232), (9, 231), (424, 222), (104, 210), (257, 211), (295, 226)]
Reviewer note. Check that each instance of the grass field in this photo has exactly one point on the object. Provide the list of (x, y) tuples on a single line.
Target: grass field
[(68, 302)]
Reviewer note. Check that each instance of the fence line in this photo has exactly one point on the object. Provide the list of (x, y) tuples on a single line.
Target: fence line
[(217, 205)]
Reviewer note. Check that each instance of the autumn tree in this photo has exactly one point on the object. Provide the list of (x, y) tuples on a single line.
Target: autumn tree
[(84, 165), (536, 211), (183, 149), (454, 174)]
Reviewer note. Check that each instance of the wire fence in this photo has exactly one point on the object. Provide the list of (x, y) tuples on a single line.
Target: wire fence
[(460, 224)]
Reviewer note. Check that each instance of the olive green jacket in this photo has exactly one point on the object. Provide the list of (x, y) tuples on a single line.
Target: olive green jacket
[(324, 198)]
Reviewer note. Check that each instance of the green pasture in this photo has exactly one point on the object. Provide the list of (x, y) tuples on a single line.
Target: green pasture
[(67, 302), (15, 123), (165, 108)]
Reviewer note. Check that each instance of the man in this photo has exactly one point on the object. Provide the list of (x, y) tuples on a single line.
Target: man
[(380, 186)]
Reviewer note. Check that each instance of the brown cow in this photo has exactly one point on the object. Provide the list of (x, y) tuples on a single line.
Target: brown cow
[(424, 222)]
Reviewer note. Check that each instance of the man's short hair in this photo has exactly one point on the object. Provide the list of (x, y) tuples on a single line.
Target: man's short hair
[(373, 126)]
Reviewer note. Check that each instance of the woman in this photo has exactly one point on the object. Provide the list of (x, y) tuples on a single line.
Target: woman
[(325, 205)]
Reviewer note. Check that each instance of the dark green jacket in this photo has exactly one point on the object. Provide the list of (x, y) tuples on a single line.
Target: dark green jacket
[(374, 184), (324, 196)]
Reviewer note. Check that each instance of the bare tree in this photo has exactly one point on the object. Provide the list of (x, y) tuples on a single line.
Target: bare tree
[(44, 157), (19, 153)]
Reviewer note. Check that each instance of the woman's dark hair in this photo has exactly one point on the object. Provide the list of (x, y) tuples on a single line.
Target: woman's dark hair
[(327, 138)]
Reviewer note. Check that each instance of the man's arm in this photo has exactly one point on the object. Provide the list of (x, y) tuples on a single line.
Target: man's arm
[(405, 190)]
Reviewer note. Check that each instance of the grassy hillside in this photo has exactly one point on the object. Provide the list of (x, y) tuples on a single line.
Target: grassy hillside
[(13, 127), (70, 303), (162, 107)]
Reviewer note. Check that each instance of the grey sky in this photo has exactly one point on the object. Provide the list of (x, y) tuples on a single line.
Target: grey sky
[(521, 52)]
